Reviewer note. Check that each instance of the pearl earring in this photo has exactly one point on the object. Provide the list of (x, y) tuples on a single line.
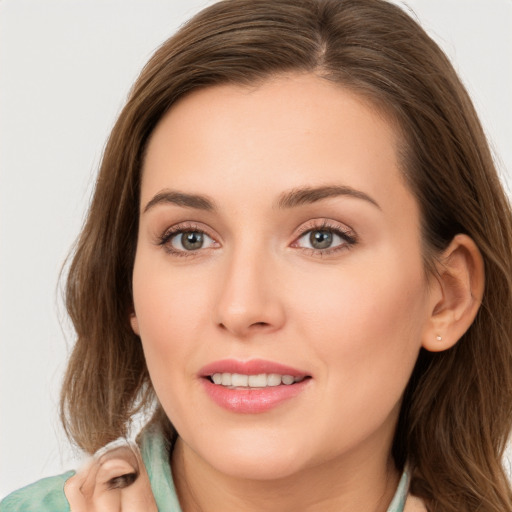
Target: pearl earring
[(439, 338)]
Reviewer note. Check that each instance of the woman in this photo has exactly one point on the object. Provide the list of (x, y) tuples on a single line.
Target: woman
[(297, 258)]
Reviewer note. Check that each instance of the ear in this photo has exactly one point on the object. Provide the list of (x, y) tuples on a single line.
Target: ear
[(456, 294), (134, 323)]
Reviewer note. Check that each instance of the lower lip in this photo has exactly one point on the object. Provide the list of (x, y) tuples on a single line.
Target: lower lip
[(252, 401)]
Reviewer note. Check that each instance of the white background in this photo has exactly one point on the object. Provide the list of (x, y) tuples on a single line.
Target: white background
[(65, 70)]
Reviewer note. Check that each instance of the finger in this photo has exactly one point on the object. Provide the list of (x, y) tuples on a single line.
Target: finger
[(114, 480), (84, 489), (74, 495), (122, 482), (119, 468), (75, 486), (138, 497)]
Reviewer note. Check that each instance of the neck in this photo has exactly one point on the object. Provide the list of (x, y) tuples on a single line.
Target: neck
[(349, 484)]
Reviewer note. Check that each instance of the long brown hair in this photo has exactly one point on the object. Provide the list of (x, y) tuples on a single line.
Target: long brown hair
[(457, 408)]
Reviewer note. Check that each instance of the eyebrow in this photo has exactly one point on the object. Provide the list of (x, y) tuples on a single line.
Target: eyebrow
[(292, 199), (195, 201), (308, 195)]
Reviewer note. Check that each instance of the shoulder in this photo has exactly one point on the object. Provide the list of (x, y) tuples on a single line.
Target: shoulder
[(46, 495)]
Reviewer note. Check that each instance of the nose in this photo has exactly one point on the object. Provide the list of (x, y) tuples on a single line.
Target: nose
[(250, 299)]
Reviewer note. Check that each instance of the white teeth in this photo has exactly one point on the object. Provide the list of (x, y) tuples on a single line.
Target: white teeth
[(273, 379), (287, 379), (238, 380), (258, 381)]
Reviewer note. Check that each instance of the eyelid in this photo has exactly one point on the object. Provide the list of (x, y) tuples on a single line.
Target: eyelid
[(183, 227), (348, 235), (166, 237), (323, 224)]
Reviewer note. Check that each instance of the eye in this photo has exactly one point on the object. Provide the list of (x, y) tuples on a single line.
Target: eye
[(325, 239), (322, 239), (190, 241), (186, 239)]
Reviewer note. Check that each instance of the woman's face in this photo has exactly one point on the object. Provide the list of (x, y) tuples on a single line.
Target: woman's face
[(278, 243)]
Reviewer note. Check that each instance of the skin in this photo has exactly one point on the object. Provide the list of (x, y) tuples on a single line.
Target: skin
[(352, 316), (101, 485)]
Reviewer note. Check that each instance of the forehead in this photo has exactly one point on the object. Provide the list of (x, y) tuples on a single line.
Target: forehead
[(289, 131)]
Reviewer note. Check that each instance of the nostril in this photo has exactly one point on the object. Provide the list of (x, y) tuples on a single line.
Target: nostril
[(260, 323)]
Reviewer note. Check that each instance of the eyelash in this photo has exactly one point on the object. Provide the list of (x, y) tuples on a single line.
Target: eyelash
[(347, 235), (165, 239)]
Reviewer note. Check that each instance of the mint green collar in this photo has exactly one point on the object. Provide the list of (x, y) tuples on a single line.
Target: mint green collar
[(398, 502), (155, 454)]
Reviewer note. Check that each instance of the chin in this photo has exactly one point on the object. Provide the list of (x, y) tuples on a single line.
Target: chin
[(260, 455), (255, 467)]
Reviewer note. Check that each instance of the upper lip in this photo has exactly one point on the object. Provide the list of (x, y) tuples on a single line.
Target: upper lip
[(251, 367)]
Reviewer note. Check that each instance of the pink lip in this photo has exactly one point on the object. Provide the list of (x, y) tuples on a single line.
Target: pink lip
[(251, 401), (252, 367)]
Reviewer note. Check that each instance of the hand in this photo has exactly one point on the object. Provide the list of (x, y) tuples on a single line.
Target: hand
[(114, 480)]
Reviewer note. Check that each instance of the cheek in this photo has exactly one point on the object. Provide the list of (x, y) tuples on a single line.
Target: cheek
[(166, 300), (366, 323), (167, 311), (168, 306), (364, 331)]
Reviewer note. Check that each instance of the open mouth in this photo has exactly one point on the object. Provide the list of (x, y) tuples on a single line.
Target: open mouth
[(254, 386), (259, 381)]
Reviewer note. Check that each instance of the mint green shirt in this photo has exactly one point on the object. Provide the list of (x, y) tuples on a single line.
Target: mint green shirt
[(47, 495)]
